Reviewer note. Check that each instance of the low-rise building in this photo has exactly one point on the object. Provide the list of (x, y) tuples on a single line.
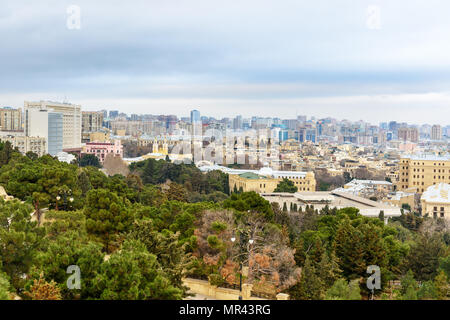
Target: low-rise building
[(436, 201), (101, 149), (25, 144), (333, 199), (264, 179)]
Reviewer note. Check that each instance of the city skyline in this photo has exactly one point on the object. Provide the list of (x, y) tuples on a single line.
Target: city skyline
[(370, 59)]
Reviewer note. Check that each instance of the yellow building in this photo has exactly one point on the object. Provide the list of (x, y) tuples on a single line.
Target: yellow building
[(436, 201), (25, 144), (416, 174), (400, 198), (99, 136), (266, 180), (10, 119)]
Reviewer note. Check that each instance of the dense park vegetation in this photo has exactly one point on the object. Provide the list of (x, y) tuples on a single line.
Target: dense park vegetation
[(138, 236)]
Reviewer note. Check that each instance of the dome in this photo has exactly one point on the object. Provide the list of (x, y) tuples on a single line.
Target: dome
[(266, 171)]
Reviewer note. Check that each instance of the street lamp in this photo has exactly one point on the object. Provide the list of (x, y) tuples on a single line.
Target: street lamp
[(64, 193), (242, 242)]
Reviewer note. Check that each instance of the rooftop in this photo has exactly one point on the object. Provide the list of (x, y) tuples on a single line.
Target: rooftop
[(437, 193)]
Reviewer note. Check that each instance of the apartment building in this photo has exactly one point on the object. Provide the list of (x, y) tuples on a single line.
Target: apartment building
[(45, 123), (25, 144), (436, 132), (417, 173), (71, 115), (408, 134), (92, 121), (10, 119), (436, 201), (101, 149)]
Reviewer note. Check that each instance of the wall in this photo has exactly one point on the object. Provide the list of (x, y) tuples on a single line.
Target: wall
[(204, 288)]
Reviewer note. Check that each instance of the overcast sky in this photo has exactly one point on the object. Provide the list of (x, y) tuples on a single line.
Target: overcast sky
[(251, 57)]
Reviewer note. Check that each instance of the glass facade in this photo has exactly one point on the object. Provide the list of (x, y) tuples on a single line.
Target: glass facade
[(55, 133)]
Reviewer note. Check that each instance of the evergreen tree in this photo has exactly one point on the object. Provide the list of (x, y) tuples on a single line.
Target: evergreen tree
[(19, 240), (354, 290), (349, 250), (132, 273), (106, 216), (442, 285), (83, 183), (4, 287), (286, 185), (328, 269), (311, 287), (427, 291), (381, 215), (90, 160), (342, 290), (409, 283), (423, 258)]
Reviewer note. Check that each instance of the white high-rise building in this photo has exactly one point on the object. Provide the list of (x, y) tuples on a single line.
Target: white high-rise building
[(71, 115), (45, 123)]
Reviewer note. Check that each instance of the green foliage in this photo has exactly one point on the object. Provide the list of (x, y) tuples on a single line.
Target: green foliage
[(442, 285), (444, 265), (89, 160), (250, 202), (427, 291), (423, 258), (168, 249), (4, 287), (65, 250), (39, 181), (106, 216), (19, 239), (311, 287), (343, 290), (286, 185), (6, 152), (159, 171), (132, 273)]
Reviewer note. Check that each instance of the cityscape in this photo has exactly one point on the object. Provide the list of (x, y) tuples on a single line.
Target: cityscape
[(147, 185)]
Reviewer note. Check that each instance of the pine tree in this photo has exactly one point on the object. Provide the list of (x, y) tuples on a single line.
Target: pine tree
[(349, 250), (311, 287), (354, 290), (409, 283), (442, 285), (328, 269), (381, 215)]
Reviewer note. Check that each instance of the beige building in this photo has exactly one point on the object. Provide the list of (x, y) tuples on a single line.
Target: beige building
[(408, 134), (91, 121), (436, 132), (10, 119), (333, 199), (416, 174), (71, 120), (400, 198), (25, 144), (436, 201), (99, 136), (266, 180)]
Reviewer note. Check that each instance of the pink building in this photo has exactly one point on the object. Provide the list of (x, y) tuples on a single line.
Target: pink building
[(101, 149)]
